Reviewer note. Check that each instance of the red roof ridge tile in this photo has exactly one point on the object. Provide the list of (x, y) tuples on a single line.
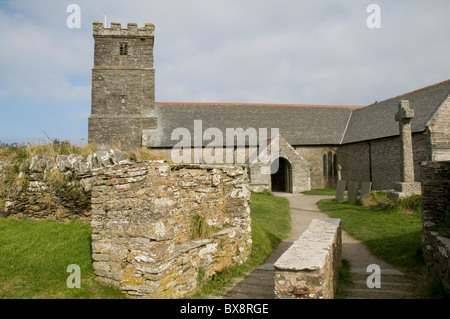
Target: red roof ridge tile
[(264, 104)]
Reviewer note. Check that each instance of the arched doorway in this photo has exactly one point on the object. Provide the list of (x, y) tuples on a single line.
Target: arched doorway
[(281, 180)]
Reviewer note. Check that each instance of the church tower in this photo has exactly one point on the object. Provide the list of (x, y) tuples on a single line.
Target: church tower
[(123, 86)]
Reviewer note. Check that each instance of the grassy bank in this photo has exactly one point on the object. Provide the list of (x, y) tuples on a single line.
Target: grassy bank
[(389, 232), (321, 191), (392, 233)]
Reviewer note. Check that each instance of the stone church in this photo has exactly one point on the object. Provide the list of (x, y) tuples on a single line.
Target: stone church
[(315, 141)]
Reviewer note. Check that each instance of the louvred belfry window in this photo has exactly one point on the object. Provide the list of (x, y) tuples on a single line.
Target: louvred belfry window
[(123, 49)]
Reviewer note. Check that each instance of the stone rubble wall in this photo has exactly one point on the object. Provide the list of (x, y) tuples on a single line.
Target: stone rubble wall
[(36, 198), (436, 212), (143, 222), (309, 268)]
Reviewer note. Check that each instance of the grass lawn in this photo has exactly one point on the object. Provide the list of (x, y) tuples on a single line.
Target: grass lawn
[(271, 223), (34, 256), (392, 233), (388, 233), (324, 191)]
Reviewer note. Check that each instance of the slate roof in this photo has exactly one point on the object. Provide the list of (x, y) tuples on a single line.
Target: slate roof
[(303, 124), (378, 120), (298, 124)]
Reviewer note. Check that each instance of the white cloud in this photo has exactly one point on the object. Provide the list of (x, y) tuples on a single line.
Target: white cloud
[(38, 61), (285, 51)]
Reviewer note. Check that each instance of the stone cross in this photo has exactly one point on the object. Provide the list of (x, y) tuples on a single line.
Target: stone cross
[(404, 117)]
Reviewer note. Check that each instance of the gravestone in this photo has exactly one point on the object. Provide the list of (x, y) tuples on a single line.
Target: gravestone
[(365, 190), (340, 190), (352, 191), (406, 187)]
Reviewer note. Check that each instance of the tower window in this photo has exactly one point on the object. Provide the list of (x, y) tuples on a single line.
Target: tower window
[(123, 50)]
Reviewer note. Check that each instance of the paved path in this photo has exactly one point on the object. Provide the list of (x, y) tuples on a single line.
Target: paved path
[(259, 284)]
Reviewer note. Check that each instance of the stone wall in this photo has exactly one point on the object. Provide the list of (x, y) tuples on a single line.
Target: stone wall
[(159, 229), (436, 219), (314, 156), (438, 128), (260, 180), (56, 187), (309, 268), (382, 158)]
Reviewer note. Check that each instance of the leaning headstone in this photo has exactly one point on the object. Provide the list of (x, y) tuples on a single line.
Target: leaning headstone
[(340, 190), (352, 191), (365, 190)]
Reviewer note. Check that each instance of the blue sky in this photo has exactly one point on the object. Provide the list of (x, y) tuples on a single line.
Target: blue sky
[(236, 51)]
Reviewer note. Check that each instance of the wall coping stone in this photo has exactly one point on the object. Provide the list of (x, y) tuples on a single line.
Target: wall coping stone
[(309, 251)]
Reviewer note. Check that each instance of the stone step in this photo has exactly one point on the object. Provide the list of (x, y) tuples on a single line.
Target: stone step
[(383, 271), (254, 286), (401, 285), (394, 285), (376, 293)]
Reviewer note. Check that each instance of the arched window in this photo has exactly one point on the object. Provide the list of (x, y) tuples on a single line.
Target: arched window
[(330, 164), (335, 164), (325, 164)]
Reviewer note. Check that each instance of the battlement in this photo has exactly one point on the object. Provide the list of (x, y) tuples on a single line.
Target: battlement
[(116, 30)]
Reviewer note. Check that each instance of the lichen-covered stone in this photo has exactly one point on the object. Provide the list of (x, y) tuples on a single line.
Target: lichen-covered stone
[(308, 269), (36, 197), (142, 221), (435, 218)]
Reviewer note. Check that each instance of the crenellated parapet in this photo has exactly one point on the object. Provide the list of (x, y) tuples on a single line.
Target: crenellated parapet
[(116, 30)]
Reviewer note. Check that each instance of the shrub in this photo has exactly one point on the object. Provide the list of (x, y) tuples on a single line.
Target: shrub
[(200, 228), (409, 205)]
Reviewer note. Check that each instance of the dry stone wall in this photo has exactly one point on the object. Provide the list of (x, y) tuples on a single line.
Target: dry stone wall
[(160, 229), (56, 187), (436, 219), (309, 268)]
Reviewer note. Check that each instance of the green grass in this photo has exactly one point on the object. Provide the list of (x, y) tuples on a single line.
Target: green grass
[(392, 233), (34, 256), (389, 233), (344, 280), (324, 191), (271, 223)]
